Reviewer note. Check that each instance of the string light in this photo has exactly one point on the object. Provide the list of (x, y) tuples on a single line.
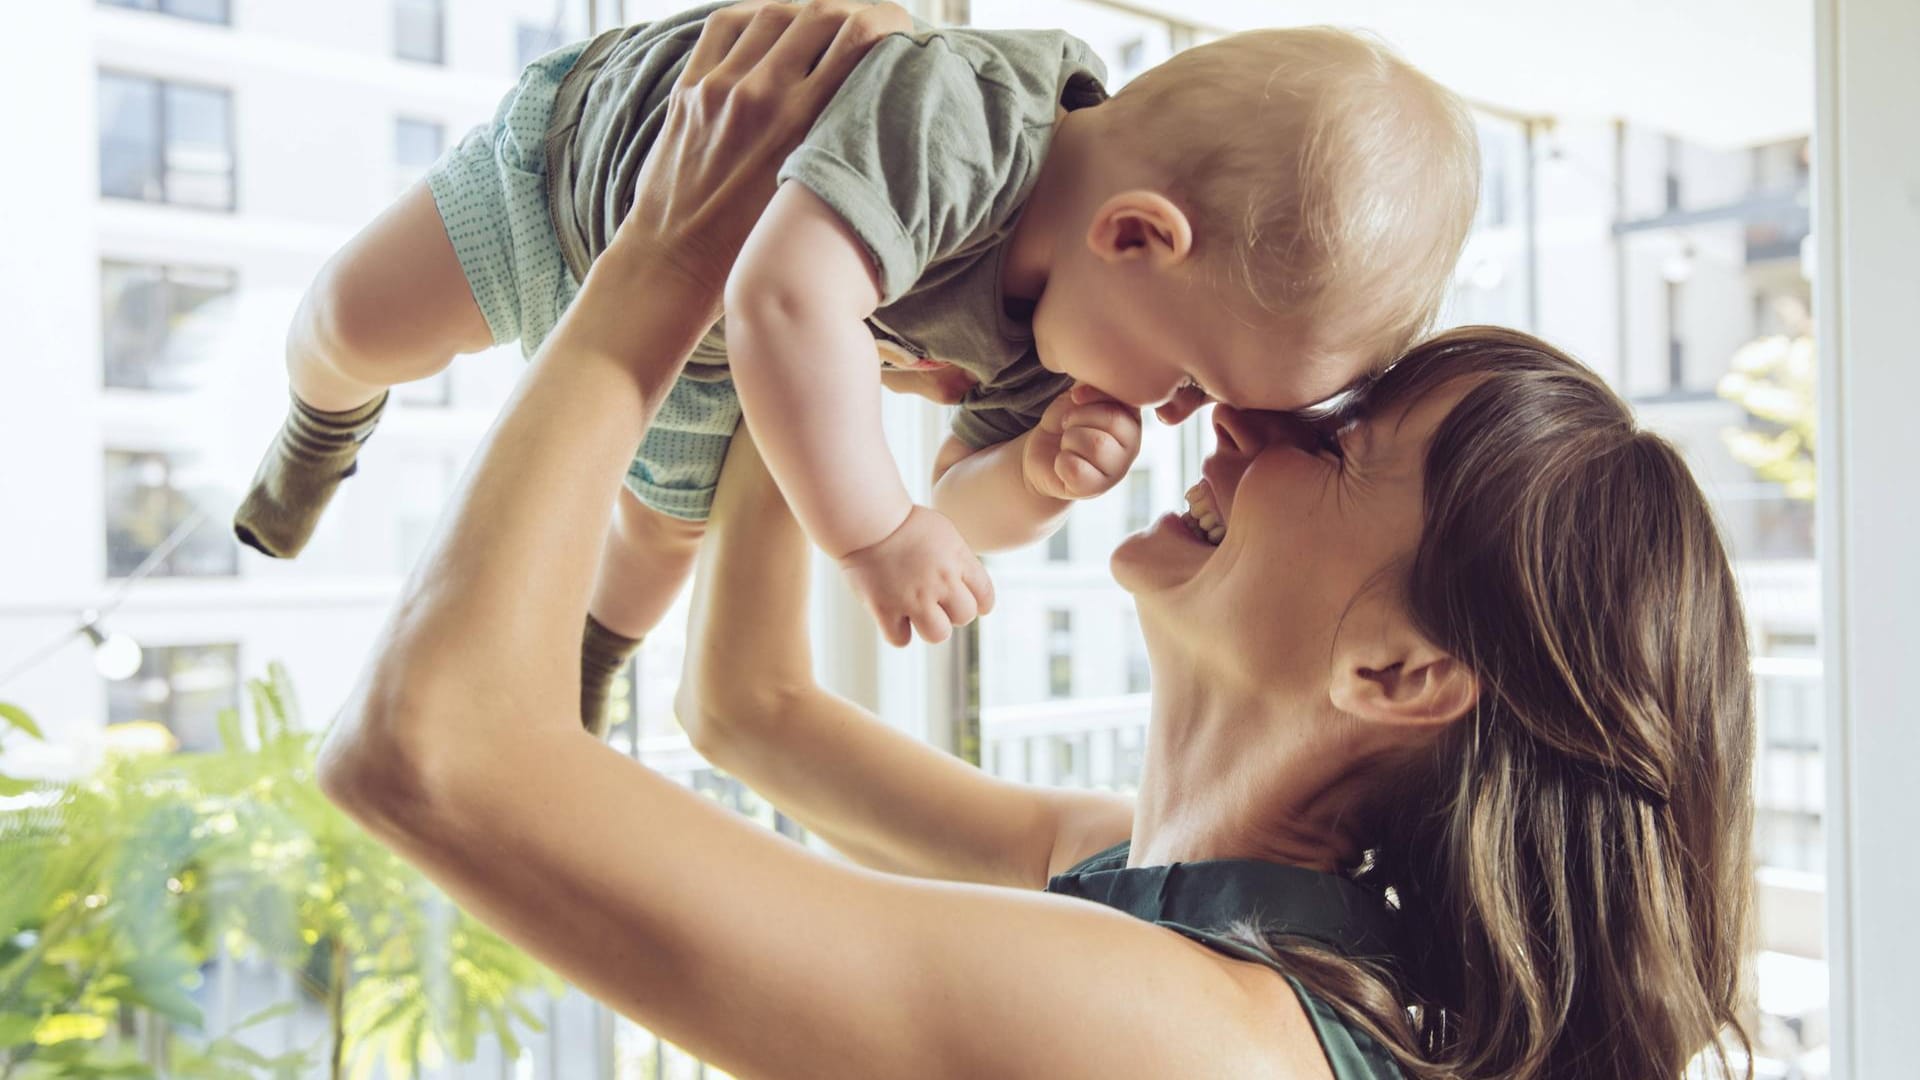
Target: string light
[(115, 656)]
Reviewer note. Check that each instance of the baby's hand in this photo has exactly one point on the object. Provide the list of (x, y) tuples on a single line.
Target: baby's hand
[(1083, 446), (921, 577)]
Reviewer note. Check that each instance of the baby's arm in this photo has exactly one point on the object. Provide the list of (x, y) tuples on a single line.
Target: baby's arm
[(1014, 493), (809, 384), (803, 363)]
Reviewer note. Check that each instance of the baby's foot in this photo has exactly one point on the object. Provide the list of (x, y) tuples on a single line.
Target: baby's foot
[(313, 452)]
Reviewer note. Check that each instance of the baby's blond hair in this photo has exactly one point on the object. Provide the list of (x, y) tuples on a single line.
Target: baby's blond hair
[(1330, 181)]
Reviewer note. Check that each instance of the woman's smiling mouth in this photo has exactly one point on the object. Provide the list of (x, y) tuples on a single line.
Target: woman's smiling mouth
[(1203, 517)]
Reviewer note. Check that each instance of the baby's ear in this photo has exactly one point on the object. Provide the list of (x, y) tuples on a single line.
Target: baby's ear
[(1141, 224)]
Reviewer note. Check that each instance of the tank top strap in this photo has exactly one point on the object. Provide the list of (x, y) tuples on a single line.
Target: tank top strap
[(1205, 901)]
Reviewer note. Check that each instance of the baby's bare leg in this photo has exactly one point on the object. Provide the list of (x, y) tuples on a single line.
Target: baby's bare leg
[(646, 560), (391, 307)]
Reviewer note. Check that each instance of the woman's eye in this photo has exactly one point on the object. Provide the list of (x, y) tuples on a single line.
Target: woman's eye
[(1330, 444)]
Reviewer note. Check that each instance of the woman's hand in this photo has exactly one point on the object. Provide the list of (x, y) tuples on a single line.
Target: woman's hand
[(755, 82)]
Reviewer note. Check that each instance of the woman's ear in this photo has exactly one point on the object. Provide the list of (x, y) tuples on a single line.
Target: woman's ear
[(1403, 680), (1140, 224)]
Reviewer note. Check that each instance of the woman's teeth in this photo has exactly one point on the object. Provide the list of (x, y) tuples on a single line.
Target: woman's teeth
[(1202, 516)]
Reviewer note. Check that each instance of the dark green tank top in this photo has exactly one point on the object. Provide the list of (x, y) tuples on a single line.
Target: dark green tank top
[(1202, 900)]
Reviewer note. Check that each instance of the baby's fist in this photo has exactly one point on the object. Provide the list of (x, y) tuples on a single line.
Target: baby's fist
[(1083, 446), (921, 577)]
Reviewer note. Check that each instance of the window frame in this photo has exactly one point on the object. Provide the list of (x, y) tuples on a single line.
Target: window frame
[(1865, 232), (167, 9), (170, 650), (439, 57), (163, 140), (167, 276), (176, 497)]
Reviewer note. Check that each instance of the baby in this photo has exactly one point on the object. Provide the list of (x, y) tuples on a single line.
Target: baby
[(1261, 220)]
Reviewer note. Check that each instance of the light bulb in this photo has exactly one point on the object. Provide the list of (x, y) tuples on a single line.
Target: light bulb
[(116, 656)]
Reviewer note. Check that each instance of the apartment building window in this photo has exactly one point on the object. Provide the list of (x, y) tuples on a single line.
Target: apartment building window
[(1139, 499), (148, 496), (420, 30), (183, 688), (416, 146), (206, 11), (1060, 544), (155, 323), (1673, 155), (1059, 653), (166, 142), (532, 40), (1676, 339), (1139, 672)]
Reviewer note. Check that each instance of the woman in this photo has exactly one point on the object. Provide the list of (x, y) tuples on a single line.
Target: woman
[(1366, 686), (1476, 643)]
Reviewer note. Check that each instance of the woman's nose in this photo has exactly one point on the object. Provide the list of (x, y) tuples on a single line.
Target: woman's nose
[(1229, 428), (1249, 431)]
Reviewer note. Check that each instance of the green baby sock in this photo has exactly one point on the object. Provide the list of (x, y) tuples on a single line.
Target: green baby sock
[(603, 653), (313, 452)]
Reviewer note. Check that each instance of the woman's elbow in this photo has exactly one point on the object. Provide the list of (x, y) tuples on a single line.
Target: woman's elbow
[(372, 767), (719, 712)]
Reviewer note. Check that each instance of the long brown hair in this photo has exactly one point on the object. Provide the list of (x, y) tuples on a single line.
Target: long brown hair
[(1570, 862)]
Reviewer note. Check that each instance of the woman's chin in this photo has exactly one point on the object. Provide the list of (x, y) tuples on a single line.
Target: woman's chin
[(1164, 554)]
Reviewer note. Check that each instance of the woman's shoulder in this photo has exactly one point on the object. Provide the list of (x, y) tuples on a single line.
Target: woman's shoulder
[(1211, 904), (1351, 1053)]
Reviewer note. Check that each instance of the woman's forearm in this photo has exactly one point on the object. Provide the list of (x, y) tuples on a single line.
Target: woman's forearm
[(749, 700), (492, 613)]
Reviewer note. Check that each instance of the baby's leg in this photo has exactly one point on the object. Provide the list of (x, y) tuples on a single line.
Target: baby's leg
[(646, 560), (391, 307)]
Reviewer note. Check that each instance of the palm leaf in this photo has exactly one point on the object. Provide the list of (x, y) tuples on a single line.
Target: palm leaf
[(16, 717)]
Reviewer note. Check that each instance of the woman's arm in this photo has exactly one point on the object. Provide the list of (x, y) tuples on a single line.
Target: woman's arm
[(749, 700), (460, 745)]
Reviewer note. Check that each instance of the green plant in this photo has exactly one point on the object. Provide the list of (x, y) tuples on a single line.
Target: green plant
[(124, 884), (1772, 378)]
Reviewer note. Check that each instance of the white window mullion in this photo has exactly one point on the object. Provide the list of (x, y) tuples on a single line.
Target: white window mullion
[(1867, 185)]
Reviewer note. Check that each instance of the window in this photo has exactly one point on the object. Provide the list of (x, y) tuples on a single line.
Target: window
[(1059, 653), (420, 30), (534, 40), (424, 479), (1672, 174), (148, 497), (1127, 39), (1139, 673), (1676, 339), (206, 11), (156, 322), (166, 142), (1139, 499), (183, 688), (416, 146), (1060, 544)]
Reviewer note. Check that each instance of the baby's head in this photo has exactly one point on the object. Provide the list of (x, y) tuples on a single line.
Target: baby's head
[(1271, 216)]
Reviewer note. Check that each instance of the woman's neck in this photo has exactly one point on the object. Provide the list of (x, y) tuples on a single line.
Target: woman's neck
[(1233, 776)]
